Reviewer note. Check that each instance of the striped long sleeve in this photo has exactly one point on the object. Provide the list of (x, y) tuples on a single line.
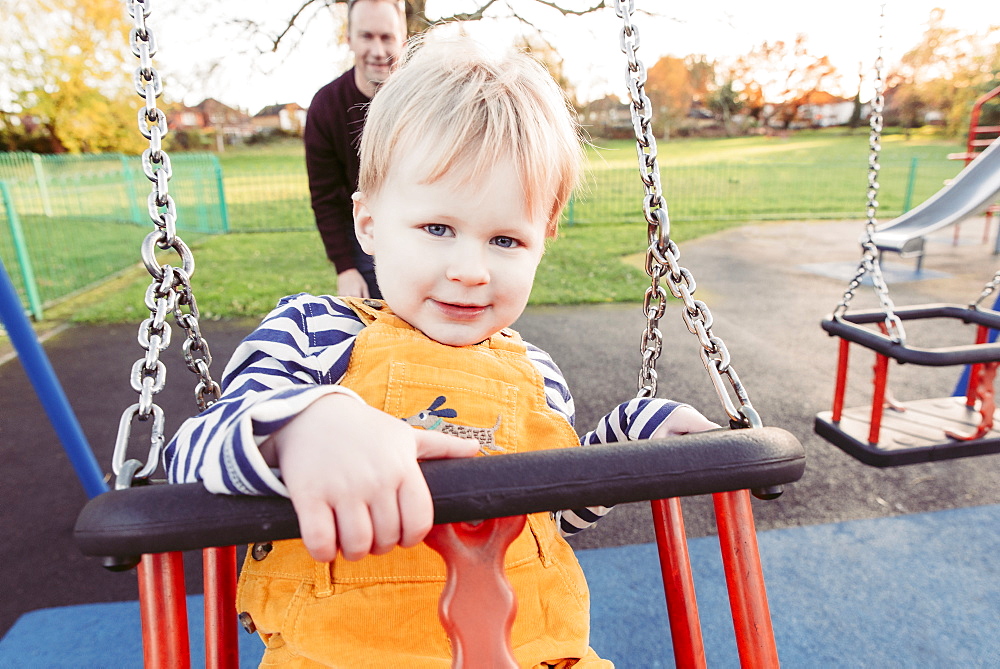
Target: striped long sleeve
[(299, 353)]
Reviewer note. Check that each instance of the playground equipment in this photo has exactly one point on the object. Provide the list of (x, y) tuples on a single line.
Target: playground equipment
[(979, 137), (974, 191), (50, 392), (894, 433), (157, 521)]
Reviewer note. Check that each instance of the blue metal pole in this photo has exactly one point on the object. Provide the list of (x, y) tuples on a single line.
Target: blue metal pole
[(48, 389), (963, 380)]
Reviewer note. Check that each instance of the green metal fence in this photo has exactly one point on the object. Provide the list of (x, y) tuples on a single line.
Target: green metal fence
[(759, 191), (276, 198), (68, 222)]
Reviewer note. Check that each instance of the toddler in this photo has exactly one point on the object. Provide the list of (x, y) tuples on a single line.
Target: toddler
[(467, 161)]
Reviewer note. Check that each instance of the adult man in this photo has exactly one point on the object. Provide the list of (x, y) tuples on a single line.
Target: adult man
[(376, 34)]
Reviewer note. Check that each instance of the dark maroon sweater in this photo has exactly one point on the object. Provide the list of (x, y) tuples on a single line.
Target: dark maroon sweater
[(334, 123)]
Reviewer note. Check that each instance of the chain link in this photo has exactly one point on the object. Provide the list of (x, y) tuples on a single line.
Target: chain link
[(170, 290), (988, 290), (662, 255), (870, 264)]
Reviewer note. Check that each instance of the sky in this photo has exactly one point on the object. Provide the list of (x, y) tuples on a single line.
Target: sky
[(846, 30)]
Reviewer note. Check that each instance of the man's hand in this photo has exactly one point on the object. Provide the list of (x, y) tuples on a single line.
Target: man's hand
[(352, 474), (351, 283)]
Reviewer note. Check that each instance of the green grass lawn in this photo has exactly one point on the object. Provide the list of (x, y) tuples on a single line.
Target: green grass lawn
[(709, 185)]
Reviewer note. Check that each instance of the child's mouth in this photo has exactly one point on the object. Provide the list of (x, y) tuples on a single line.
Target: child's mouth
[(460, 311)]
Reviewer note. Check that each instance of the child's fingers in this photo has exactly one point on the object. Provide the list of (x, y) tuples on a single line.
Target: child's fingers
[(317, 528), (355, 533), (386, 523), (432, 445), (416, 510), (683, 420)]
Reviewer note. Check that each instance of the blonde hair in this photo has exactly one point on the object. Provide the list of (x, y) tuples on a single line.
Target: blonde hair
[(466, 109)]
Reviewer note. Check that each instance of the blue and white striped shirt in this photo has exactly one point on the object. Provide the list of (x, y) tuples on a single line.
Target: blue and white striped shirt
[(300, 352)]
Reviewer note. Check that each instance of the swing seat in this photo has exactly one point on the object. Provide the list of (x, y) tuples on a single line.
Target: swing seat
[(913, 431), (157, 521), (911, 436)]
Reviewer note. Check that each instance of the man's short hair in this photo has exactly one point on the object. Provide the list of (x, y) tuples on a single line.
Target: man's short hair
[(399, 4), (466, 109)]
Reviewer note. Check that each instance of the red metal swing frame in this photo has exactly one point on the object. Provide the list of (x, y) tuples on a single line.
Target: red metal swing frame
[(163, 605), (947, 428), (160, 521), (978, 138)]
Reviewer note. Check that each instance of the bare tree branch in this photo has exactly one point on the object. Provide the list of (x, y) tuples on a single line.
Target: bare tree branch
[(276, 42), (571, 12), (417, 18), (469, 16)]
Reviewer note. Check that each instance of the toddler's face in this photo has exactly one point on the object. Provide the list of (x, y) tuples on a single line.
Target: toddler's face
[(454, 261)]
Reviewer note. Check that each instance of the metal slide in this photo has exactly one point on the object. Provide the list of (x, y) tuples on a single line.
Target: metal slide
[(971, 192)]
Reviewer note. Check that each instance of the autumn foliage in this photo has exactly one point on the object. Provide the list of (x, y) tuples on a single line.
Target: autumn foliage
[(69, 78)]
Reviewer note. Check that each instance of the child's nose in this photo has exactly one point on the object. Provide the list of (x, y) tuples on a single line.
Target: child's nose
[(468, 267)]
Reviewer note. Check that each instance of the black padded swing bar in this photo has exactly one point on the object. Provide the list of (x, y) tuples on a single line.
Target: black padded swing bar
[(849, 327), (166, 518)]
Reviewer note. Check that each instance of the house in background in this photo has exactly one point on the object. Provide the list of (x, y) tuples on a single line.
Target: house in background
[(822, 110), (229, 125), (289, 118), (607, 117), (813, 109)]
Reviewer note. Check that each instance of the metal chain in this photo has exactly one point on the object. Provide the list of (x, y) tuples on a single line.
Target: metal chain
[(988, 290), (170, 291), (870, 264), (662, 254)]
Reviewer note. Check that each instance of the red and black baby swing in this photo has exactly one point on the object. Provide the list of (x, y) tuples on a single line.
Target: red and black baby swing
[(157, 522), (890, 433)]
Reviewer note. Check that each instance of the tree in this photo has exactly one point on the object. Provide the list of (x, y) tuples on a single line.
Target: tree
[(261, 36), (803, 84), (675, 86), (66, 73), (725, 103), (701, 73), (417, 18), (943, 73), (668, 86), (545, 54), (856, 112), (776, 79), (754, 73)]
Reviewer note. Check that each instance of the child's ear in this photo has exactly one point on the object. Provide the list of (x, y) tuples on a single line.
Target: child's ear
[(363, 223)]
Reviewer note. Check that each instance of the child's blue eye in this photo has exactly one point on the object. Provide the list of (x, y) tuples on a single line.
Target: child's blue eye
[(436, 229), (506, 242)]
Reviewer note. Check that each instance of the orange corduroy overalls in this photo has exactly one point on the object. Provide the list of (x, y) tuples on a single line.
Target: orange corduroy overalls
[(382, 611)]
